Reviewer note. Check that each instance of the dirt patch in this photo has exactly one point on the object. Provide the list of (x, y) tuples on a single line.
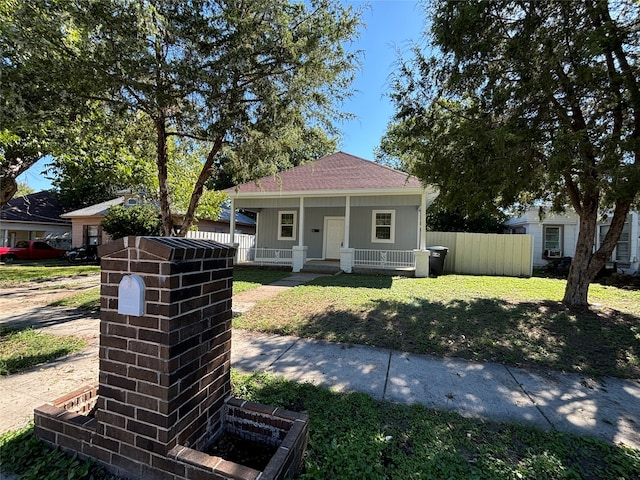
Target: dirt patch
[(17, 299)]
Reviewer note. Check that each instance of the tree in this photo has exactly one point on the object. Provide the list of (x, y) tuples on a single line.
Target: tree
[(185, 159), (231, 74), (111, 151), (294, 147), (121, 221), (23, 189), (35, 106), (527, 101)]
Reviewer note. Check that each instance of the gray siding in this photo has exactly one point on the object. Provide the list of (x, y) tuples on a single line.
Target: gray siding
[(268, 229), (406, 231), (384, 201), (406, 228), (314, 220)]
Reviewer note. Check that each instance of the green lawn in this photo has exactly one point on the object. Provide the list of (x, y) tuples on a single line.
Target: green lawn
[(22, 349), (243, 279), (514, 321), (23, 271), (353, 437), (249, 278)]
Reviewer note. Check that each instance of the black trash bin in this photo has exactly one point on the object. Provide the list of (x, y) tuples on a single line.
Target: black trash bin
[(436, 260)]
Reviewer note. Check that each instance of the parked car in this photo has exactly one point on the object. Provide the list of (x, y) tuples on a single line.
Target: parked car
[(30, 250)]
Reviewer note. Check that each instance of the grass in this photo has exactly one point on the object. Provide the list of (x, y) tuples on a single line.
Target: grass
[(243, 279), (22, 349), (86, 300), (22, 453), (352, 436), (249, 278), (514, 321), (23, 271)]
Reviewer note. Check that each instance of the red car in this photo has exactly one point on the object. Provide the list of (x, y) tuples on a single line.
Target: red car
[(30, 250)]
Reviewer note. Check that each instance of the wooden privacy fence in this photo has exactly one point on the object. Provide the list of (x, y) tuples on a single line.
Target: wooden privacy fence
[(485, 253)]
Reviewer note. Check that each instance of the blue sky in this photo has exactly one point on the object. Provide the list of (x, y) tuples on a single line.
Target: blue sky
[(391, 25)]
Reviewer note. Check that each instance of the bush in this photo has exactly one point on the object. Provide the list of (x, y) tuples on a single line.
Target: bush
[(136, 220)]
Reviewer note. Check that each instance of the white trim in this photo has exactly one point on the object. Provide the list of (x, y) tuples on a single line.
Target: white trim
[(553, 252), (347, 221), (392, 227), (301, 236), (295, 222), (333, 193)]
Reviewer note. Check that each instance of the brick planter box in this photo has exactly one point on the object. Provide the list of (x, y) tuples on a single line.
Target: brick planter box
[(165, 353), (69, 424)]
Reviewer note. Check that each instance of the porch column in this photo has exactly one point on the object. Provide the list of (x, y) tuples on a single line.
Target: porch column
[(299, 252), (347, 221), (301, 227), (422, 263), (423, 221), (347, 254), (634, 235), (232, 221)]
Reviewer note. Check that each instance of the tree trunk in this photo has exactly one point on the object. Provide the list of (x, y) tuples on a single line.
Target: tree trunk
[(163, 177), (198, 188), (14, 165), (586, 264)]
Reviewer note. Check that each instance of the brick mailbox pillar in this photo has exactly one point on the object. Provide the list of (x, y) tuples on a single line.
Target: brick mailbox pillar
[(164, 387), (164, 375)]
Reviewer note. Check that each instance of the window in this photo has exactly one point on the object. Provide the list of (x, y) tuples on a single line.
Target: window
[(92, 234), (287, 225), (552, 247), (383, 226), (622, 251)]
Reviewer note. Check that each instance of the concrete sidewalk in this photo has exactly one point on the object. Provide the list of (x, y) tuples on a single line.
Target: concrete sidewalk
[(607, 408)]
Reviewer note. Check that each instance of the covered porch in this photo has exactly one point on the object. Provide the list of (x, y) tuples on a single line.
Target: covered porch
[(341, 209), (337, 233)]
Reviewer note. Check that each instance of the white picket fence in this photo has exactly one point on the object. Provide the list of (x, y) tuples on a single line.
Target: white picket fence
[(384, 258), (245, 242)]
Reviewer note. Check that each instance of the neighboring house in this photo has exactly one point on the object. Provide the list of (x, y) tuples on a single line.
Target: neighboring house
[(86, 229), (338, 208), (556, 235), (34, 217)]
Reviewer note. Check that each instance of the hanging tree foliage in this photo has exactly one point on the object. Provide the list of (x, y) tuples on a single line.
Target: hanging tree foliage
[(528, 101), (231, 74)]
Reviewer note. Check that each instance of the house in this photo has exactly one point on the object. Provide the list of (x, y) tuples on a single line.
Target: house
[(86, 229), (34, 217), (555, 236), (340, 208)]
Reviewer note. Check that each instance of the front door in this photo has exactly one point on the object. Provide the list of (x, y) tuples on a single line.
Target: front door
[(333, 236)]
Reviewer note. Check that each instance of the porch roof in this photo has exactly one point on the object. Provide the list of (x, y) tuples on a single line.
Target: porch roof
[(336, 173)]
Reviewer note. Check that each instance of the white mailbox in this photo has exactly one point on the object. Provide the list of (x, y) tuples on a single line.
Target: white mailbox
[(131, 296)]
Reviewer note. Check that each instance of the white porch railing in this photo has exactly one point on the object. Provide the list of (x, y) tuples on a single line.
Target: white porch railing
[(384, 258), (266, 256)]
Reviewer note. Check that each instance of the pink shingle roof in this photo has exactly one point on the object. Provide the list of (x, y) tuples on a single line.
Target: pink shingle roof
[(339, 171)]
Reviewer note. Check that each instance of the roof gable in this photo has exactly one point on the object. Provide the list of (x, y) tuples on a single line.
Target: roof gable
[(41, 207), (339, 171), (98, 209)]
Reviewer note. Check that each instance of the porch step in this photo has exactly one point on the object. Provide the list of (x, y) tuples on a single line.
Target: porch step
[(316, 268)]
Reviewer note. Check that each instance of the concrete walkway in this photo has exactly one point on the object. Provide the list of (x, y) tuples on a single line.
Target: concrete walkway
[(606, 408)]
